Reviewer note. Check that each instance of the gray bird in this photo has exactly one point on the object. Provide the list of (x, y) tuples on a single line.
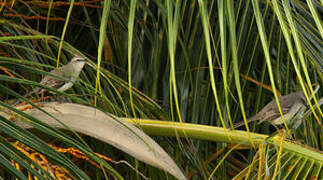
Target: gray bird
[(290, 105), (63, 78)]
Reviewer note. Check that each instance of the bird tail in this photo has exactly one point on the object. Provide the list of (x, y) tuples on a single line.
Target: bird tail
[(253, 118), (35, 90)]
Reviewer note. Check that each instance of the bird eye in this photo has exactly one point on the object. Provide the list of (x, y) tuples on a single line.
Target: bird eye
[(80, 60)]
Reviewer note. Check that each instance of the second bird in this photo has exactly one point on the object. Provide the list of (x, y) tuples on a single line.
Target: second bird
[(65, 76), (289, 105)]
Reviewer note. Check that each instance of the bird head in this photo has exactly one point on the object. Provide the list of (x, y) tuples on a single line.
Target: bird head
[(78, 61)]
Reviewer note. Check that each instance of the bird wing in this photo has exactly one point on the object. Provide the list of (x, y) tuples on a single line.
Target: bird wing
[(288, 116), (54, 82), (271, 111)]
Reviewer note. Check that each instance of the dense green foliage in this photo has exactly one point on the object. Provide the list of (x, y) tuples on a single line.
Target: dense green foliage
[(202, 62)]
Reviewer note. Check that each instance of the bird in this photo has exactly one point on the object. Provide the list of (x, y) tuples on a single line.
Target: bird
[(62, 78), (290, 104)]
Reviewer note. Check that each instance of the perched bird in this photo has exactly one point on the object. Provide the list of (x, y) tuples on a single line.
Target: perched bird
[(290, 104), (62, 78)]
